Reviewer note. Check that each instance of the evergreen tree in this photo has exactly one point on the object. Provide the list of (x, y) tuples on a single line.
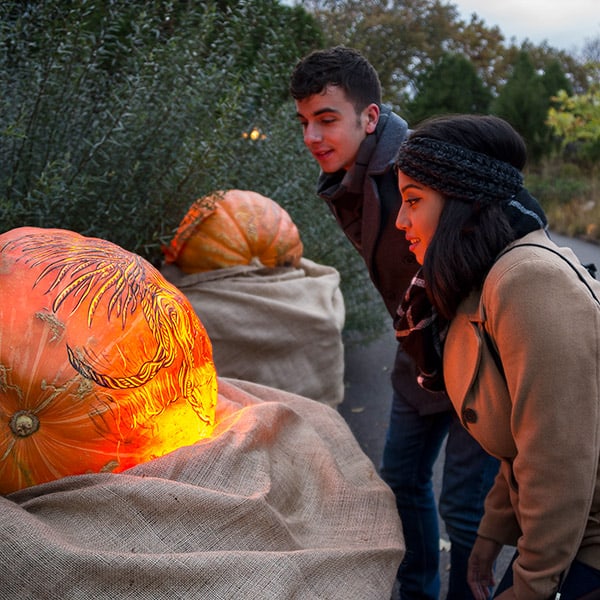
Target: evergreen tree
[(554, 81), (450, 86), (523, 102)]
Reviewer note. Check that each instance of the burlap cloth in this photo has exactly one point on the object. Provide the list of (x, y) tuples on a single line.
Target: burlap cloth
[(280, 503), (281, 327)]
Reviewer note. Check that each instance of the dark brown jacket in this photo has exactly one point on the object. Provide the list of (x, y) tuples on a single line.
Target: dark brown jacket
[(365, 201)]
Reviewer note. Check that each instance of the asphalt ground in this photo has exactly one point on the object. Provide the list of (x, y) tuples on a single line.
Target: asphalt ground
[(368, 395)]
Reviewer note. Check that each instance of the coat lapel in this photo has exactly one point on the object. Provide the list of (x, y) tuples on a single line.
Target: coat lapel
[(462, 351)]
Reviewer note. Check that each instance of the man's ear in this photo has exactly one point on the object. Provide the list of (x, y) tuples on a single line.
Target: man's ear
[(372, 116)]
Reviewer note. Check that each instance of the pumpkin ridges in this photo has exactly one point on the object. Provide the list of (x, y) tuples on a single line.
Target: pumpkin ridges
[(29, 461), (211, 249), (23, 475), (273, 242), (215, 243), (229, 231), (200, 210), (34, 466), (236, 214), (262, 244), (243, 227)]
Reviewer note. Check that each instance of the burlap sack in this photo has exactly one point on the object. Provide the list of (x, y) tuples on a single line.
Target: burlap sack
[(281, 327), (280, 503)]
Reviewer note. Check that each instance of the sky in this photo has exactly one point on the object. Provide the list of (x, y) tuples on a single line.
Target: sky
[(564, 24)]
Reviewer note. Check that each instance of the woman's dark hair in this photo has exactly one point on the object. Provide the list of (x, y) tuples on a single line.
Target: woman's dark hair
[(470, 234), (339, 66)]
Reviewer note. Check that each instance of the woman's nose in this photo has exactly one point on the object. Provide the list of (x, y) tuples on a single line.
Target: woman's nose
[(401, 221)]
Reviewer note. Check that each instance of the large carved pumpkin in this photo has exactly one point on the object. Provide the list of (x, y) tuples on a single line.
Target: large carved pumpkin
[(103, 363), (236, 227)]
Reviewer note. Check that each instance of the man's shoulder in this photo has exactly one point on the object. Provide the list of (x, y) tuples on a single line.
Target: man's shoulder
[(393, 119), (391, 132)]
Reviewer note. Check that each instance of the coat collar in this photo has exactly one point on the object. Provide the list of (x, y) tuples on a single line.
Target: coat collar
[(463, 347)]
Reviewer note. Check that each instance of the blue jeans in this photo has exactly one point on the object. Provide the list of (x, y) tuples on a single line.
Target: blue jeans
[(413, 443)]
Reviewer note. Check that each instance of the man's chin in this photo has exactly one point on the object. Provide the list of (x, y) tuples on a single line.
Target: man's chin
[(329, 168)]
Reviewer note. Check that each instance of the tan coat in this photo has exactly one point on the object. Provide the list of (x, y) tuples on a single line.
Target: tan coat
[(543, 422)]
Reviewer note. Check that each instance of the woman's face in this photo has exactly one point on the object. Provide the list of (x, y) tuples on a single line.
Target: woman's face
[(419, 214)]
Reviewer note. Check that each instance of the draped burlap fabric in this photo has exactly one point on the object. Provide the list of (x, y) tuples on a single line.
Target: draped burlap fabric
[(280, 503), (281, 327)]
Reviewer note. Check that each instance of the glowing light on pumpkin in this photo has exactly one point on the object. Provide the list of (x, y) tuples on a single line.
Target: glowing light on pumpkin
[(103, 363)]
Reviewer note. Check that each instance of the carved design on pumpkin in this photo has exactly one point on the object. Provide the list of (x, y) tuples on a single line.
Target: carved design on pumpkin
[(91, 271), (103, 363)]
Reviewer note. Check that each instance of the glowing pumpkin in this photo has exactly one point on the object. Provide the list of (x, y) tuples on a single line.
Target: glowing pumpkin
[(236, 227), (103, 363)]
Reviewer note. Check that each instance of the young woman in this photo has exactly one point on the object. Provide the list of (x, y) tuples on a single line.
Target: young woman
[(509, 325)]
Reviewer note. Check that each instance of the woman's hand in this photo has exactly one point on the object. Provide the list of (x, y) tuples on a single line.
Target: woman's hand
[(480, 574)]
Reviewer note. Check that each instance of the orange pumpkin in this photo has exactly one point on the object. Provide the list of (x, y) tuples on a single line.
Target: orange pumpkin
[(103, 363), (236, 227)]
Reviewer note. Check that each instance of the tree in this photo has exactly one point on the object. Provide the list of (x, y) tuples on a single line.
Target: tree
[(400, 38), (115, 114), (484, 47), (591, 60), (526, 98), (576, 119), (523, 102), (450, 86), (554, 79), (403, 38)]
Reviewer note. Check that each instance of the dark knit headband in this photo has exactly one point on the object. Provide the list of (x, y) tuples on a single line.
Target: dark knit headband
[(457, 172)]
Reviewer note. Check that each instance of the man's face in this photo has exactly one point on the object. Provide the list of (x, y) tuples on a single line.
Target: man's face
[(333, 131)]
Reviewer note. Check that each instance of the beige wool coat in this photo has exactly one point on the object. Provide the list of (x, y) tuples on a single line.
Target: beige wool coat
[(542, 420)]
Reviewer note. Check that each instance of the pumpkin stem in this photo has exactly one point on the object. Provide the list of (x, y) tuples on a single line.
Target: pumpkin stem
[(24, 423)]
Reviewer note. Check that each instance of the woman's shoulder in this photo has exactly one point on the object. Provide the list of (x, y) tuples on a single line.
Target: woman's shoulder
[(533, 252), (535, 264)]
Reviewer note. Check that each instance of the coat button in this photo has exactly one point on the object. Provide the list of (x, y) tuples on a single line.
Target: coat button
[(469, 415)]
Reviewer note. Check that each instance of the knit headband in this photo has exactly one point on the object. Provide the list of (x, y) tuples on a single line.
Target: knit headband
[(457, 172)]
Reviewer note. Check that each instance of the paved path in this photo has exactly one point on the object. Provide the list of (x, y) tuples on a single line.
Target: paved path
[(368, 392)]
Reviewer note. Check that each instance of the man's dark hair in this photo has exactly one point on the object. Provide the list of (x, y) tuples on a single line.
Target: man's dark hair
[(340, 66)]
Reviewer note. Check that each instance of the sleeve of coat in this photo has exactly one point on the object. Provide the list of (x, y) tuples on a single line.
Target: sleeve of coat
[(547, 329), (499, 523)]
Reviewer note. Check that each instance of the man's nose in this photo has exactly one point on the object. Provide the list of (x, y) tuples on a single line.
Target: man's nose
[(312, 133)]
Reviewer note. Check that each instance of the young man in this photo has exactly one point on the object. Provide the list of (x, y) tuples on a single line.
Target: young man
[(354, 138)]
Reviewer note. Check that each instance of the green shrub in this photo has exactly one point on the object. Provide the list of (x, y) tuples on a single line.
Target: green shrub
[(115, 116)]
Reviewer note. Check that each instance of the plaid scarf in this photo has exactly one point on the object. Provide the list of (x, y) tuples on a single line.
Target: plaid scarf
[(422, 332)]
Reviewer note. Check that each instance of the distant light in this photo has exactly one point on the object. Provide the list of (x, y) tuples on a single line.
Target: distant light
[(254, 135)]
